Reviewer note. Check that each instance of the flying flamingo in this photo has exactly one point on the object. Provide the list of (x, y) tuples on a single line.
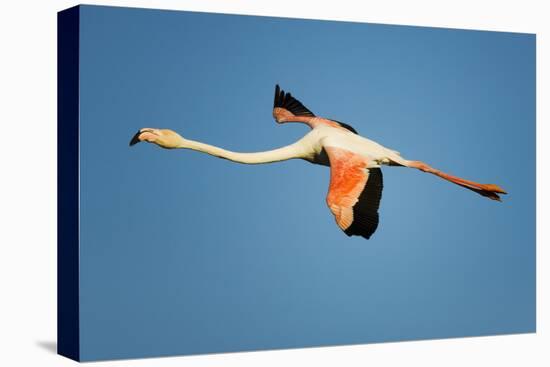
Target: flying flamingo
[(356, 184)]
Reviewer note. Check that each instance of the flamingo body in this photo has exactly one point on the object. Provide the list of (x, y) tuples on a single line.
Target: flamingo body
[(356, 181)]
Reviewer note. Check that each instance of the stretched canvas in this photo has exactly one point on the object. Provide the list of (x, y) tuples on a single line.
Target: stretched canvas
[(399, 206)]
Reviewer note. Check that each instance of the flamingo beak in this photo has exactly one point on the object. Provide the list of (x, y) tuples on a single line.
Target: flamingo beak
[(143, 134), (135, 139)]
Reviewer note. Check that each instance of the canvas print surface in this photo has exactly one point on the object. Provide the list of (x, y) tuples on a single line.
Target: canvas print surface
[(233, 183)]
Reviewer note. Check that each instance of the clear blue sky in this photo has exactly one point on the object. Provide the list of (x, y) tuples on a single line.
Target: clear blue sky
[(183, 253)]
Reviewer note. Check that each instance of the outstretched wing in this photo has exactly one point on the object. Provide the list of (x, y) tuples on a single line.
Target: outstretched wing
[(354, 193), (289, 103), (285, 106)]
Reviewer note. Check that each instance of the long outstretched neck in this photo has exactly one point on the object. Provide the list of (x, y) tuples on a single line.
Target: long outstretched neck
[(276, 155)]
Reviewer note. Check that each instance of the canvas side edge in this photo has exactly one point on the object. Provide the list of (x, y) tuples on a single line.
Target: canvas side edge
[(68, 315)]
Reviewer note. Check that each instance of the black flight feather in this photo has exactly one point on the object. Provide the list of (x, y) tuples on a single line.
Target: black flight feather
[(365, 211), (288, 102), (291, 104)]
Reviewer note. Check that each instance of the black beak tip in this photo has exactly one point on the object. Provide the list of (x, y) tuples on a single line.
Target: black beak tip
[(135, 139)]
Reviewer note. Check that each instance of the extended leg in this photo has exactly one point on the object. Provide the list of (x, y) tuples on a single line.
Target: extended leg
[(488, 190)]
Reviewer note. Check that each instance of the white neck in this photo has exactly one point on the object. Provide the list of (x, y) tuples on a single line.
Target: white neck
[(276, 155)]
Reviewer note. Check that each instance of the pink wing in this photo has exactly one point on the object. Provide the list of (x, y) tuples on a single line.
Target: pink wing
[(287, 108), (354, 193)]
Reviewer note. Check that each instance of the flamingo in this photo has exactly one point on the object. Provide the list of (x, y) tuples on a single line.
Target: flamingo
[(355, 188)]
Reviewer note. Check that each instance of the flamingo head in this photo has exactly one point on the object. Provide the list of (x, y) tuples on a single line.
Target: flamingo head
[(164, 138)]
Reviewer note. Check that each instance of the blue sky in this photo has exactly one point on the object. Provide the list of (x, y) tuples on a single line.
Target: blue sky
[(183, 253)]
